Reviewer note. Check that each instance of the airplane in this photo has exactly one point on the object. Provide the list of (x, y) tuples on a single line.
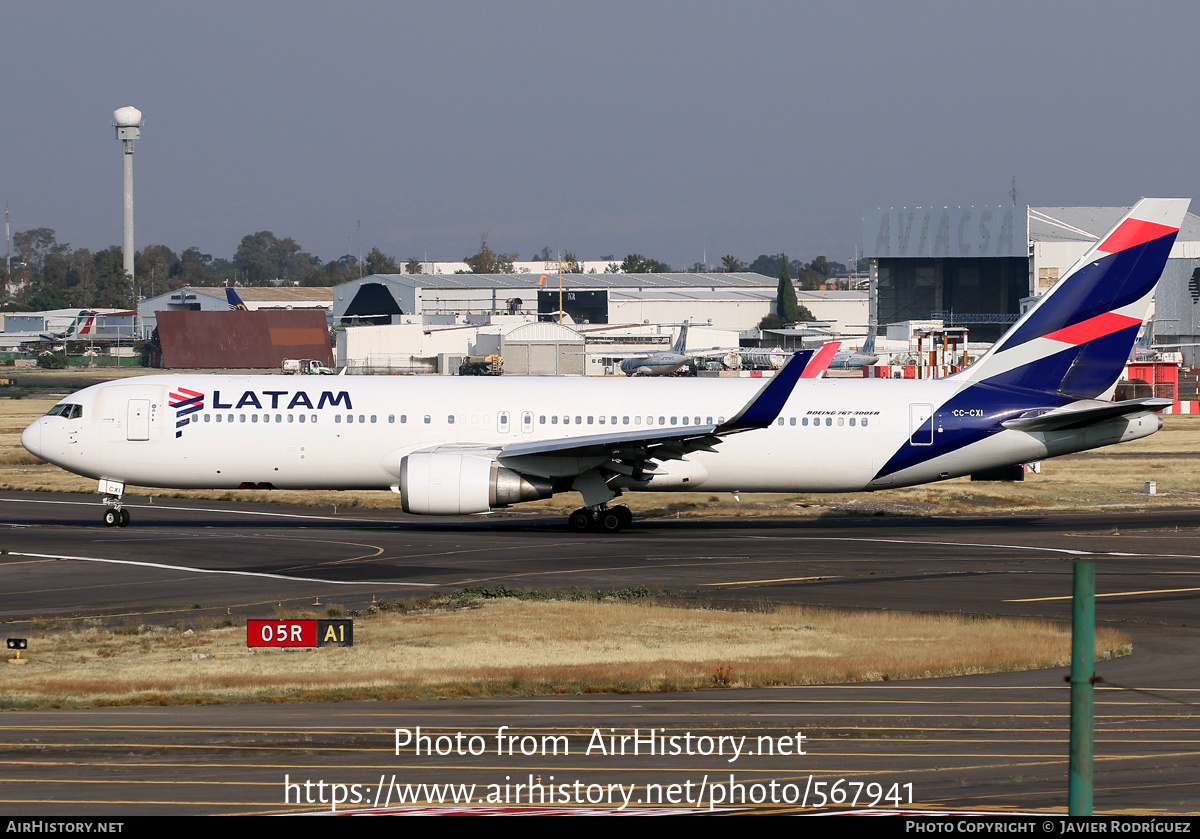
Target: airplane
[(84, 321), (855, 359), (235, 301), (661, 363), (466, 445)]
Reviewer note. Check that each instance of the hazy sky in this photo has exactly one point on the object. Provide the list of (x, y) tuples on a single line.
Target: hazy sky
[(672, 129)]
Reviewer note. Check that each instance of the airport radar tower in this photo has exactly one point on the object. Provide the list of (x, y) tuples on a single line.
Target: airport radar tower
[(128, 122)]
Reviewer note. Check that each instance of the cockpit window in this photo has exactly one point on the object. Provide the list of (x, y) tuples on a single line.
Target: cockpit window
[(66, 410)]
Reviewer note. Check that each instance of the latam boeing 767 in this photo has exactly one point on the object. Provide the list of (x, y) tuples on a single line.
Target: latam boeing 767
[(469, 445)]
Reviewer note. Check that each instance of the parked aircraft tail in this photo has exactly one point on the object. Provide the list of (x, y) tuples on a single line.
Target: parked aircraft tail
[(235, 302), (1076, 339), (681, 342)]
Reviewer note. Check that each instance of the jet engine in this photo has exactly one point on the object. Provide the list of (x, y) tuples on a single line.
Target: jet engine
[(448, 484)]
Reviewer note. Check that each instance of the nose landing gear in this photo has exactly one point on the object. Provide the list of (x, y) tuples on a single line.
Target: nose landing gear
[(601, 518), (115, 515)]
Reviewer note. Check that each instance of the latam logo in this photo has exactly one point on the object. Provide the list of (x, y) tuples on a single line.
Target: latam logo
[(276, 399), (185, 402)]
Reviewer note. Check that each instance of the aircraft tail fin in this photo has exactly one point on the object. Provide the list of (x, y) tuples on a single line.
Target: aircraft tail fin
[(681, 342), (235, 302), (1076, 339), (868, 347)]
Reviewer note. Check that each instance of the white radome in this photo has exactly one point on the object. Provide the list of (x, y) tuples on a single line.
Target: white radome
[(128, 115)]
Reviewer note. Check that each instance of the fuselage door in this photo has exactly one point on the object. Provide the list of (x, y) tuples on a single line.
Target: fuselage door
[(920, 424), (137, 426)]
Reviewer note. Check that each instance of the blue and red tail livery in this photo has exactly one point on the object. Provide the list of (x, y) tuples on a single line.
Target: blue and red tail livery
[(1075, 341)]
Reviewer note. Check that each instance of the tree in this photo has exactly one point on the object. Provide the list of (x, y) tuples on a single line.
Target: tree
[(153, 266), (731, 264), (114, 288), (414, 266), (635, 263), (573, 265), (33, 246), (379, 262), (263, 257), (786, 305), (488, 261)]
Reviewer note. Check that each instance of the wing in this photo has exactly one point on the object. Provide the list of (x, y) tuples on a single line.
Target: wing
[(595, 460)]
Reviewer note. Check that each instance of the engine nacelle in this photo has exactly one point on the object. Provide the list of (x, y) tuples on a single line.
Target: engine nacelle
[(447, 484)]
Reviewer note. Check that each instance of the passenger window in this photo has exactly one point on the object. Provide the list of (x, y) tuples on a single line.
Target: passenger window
[(851, 422), (206, 418), (404, 418), (828, 421), (372, 418), (291, 418), (254, 418), (663, 421), (780, 422), (864, 423), (554, 420), (279, 418), (302, 418), (792, 421), (349, 417), (624, 420), (362, 418), (241, 417), (841, 420), (392, 418), (590, 418), (337, 418), (804, 421), (427, 420), (450, 419), (579, 420)]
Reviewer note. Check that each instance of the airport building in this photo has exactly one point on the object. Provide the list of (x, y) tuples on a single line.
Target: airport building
[(979, 267), (213, 299), (735, 301)]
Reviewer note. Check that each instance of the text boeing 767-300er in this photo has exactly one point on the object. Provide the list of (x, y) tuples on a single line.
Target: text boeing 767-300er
[(468, 445)]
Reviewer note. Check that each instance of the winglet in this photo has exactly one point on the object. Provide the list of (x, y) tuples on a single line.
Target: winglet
[(762, 410)]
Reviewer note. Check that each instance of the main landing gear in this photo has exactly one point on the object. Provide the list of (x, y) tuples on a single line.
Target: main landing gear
[(116, 517), (602, 517)]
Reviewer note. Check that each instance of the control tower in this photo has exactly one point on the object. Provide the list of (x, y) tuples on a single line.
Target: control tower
[(128, 122)]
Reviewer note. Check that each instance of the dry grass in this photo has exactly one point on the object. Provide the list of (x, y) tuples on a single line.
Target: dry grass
[(1106, 478), (516, 647)]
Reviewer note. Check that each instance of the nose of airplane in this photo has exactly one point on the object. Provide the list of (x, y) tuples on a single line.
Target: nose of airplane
[(31, 438)]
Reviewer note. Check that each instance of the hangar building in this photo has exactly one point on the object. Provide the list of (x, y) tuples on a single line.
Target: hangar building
[(978, 266)]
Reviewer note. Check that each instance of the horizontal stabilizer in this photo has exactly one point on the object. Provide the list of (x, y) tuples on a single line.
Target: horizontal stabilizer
[(1071, 418)]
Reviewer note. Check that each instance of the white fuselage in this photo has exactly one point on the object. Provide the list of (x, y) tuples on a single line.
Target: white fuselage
[(351, 432)]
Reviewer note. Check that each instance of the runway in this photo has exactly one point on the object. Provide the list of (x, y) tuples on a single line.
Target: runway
[(992, 742)]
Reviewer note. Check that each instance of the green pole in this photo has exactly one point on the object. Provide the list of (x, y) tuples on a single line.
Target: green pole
[(1083, 672)]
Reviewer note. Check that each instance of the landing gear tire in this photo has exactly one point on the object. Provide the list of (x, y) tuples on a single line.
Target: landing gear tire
[(111, 518), (611, 521), (579, 522), (123, 518), (625, 513)]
